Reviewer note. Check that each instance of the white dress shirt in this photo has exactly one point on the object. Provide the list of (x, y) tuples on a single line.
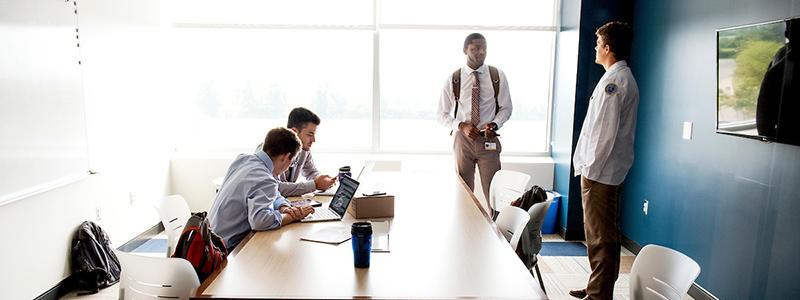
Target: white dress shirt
[(303, 164), (444, 114), (605, 147)]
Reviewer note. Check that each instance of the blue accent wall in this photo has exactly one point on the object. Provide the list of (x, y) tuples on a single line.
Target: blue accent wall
[(732, 204)]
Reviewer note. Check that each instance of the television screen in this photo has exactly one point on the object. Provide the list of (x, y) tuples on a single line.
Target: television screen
[(756, 87)]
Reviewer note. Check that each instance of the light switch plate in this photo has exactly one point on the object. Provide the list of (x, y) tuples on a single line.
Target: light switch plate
[(687, 130)]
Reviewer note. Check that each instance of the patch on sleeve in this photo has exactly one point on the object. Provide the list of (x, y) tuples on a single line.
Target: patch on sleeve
[(611, 88)]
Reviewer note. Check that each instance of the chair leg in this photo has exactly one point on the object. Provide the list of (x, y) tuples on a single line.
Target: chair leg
[(539, 275)]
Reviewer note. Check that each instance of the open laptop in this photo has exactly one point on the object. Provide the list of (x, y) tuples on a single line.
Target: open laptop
[(335, 187), (338, 206)]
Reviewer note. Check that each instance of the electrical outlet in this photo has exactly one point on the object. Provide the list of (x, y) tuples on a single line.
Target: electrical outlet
[(98, 214), (645, 206), (687, 130)]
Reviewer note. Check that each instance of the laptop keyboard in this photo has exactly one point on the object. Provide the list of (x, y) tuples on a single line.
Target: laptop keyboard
[(326, 213)]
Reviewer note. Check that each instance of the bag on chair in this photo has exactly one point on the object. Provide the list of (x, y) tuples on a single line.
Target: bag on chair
[(94, 265), (534, 195), (201, 246)]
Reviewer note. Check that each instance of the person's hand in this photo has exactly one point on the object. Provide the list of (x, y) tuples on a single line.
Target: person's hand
[(469, 130), (292, 212), (488, 130), (324, 182), (306, 210)]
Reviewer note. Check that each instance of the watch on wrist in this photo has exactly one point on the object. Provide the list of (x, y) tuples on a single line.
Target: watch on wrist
[(494, 126)]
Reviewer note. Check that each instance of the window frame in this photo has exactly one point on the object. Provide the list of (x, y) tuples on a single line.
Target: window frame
[(376, 28)]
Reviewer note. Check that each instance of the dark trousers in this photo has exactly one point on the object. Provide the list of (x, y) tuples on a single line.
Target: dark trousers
[(601, 225)]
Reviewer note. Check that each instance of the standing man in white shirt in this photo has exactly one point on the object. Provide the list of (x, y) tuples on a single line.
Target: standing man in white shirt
[(604, 155), (303, 122), (475, 103)]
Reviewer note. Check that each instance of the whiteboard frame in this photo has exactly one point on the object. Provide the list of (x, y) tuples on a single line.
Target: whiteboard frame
[(44, 187)]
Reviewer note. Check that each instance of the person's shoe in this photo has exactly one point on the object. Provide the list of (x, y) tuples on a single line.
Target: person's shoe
[(580, 294)]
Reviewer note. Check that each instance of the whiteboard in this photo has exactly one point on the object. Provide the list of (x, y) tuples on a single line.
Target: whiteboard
[(43, 139)]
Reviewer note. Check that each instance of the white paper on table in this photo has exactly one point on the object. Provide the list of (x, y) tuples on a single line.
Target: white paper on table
[(380, 236), (329, 235)]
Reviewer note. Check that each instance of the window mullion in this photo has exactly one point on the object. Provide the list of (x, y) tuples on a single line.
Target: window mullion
[(376, 80)]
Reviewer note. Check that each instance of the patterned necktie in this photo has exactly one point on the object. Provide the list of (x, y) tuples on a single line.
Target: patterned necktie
[(476, 97)]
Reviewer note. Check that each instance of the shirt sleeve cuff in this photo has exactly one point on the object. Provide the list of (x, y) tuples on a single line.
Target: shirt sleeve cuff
[(498, 122), (281, 201), (309, 186)]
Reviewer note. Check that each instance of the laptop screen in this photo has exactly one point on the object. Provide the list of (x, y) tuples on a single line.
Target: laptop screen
[(347, 188)]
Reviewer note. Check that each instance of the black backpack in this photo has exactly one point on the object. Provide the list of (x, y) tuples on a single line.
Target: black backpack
[(94, 264), (201, 246)]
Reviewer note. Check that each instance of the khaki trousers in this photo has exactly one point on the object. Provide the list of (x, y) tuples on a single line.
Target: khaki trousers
[(468, 152), (601, 225)]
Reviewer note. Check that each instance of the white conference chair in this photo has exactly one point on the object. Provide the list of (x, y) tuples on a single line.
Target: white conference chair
[(174, 213), (505, 187), (660, 273), (511, 221), (533, 229), (147, 277)]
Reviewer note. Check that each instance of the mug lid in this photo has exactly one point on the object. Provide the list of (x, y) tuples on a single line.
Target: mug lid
[(361, 227)]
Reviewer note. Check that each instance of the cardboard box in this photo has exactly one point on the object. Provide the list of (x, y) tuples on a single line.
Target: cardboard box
[(363, 207)]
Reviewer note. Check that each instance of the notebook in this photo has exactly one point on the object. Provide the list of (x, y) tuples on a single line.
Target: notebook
[(336, 209), (332, 190)]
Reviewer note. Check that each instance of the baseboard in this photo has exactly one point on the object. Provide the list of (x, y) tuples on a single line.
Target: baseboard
[(631, 245), (561, 231), (58, 291), (699, 293), (573, 235), (696, 291), (66, 286)]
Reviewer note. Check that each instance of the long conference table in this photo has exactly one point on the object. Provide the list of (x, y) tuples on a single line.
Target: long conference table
[(442, 246)]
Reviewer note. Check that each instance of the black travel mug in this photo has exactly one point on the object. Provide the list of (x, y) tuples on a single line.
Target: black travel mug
[(362, 243)]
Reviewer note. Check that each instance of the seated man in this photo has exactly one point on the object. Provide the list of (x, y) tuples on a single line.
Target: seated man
[(303, 122), (248, 198)]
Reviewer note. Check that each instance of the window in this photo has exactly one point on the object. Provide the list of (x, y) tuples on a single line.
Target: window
[(373, 75)]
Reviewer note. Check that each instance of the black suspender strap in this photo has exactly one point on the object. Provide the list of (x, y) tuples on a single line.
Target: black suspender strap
[(496, 86)]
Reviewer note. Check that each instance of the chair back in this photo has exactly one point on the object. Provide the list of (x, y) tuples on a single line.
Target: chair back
[(537, 213), (146, 277), (661, 273), (511, 222), (174, 212), (506, 186)]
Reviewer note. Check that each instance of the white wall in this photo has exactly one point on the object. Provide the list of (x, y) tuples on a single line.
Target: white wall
[(128, 146)]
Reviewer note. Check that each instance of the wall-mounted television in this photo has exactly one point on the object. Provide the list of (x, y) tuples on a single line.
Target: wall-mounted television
[(757, 81)]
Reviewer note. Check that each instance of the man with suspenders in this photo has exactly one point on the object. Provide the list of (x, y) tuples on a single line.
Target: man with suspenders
[(477, 116)]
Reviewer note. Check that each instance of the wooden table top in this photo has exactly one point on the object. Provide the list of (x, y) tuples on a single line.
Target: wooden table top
[(442, 245)]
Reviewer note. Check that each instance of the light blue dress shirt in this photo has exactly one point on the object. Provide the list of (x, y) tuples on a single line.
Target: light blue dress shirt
[(248, 199)]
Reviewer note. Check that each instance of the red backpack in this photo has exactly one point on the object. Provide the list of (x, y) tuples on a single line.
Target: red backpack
[(201, 246)]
